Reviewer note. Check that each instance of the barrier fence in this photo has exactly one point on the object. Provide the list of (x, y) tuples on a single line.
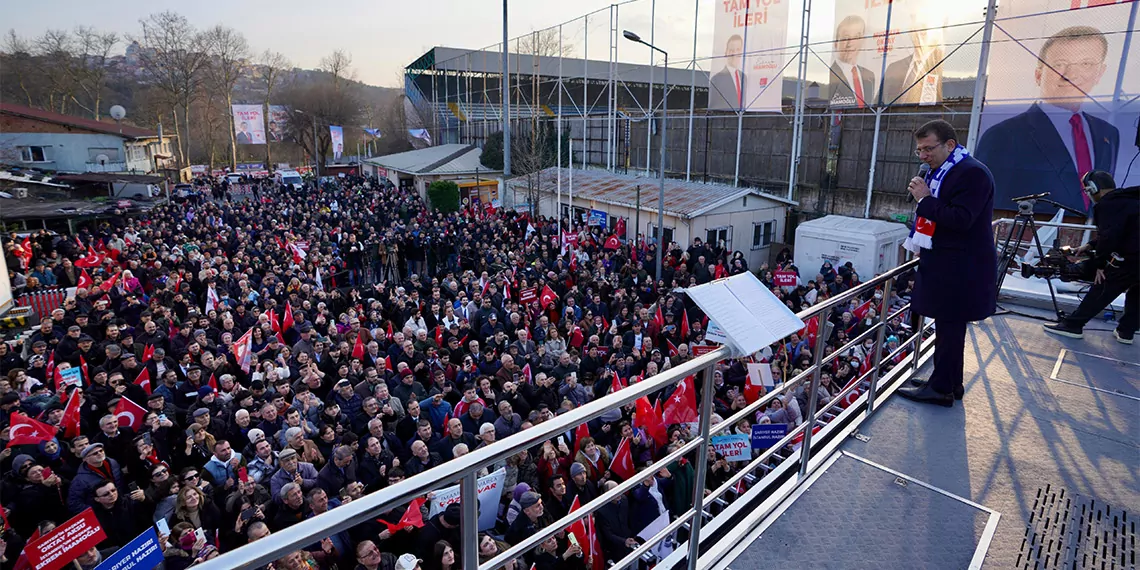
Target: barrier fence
[(42, 302), (791, 457)]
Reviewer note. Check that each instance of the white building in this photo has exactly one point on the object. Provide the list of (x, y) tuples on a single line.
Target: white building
[(747, 220), (456, 162), (34, 138)]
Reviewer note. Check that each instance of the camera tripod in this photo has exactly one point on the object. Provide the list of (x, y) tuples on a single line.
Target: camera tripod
[(1022, 221)]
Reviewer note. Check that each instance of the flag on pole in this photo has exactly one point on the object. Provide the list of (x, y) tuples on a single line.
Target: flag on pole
[(143, 380), (26, 431), (647, 419), (612, 242), (108, 284), (547, 297), (70, 420), (412, 517), (243, 350), (212, 299), (581, 433), (358, 347), (622, 464), (681, 408), (130, 414), (85, 281), (148, 353)]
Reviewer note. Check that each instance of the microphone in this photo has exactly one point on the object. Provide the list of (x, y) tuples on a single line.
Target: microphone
[(923, 170), (1033, 197)]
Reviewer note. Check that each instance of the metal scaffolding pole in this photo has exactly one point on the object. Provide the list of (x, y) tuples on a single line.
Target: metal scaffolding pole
[(980, 82), (649, 107), (739, 111), (798, 128), (880, 108), (692, 94), (446, 105), (558, 117), (585, 90), (506, 101), (610, 94)]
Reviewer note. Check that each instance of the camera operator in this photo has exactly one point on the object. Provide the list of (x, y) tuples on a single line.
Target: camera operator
[(1117, 260)]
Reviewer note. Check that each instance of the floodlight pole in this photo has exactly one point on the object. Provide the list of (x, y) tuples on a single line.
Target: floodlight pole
[(506, 102)]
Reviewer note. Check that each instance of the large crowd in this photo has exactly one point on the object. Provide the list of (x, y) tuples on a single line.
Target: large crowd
[(384, 339)]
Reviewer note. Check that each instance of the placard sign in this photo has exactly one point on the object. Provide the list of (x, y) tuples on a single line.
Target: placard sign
[(702, 349), (767, 435), (66, 543), (785, 278), (733, 447), (142, 553), (73, 375), (528, 295), (490, 490)]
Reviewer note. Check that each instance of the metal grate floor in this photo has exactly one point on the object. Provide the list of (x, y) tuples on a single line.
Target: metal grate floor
[(1073, 532)]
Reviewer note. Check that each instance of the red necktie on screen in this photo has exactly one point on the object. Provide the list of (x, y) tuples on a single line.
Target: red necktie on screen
[(739, 94), (1081, 149), (858, 86)]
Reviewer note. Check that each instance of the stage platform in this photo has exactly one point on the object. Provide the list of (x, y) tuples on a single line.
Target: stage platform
[(1037, 468)]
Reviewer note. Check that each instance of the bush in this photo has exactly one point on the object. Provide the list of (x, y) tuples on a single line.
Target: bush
[(444, 196)]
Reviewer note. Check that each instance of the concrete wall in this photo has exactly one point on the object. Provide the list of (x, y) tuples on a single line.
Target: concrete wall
[(69, 152)]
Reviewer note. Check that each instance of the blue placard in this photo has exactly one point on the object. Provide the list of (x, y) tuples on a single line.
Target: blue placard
[(142, 553), (597, 218), (767, 435)]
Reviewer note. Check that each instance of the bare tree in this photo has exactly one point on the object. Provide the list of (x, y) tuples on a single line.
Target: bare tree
[(55, 49), (339, 65), (174, 53), (92, 50), (270, 70), (18, 61), (228, 51), (544, 42)]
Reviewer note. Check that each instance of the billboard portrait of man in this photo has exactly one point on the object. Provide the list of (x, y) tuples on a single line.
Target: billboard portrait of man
[(1050, 146), (243, 135), (729, 85), (917, 78), (852, 85)]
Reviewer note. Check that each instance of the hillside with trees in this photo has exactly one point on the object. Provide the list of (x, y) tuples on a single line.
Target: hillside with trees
[(185, 78)]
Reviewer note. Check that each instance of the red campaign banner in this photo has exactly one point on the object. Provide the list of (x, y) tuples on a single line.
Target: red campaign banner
[(786, 278), (528, 295), (66, 543), (701, 349)]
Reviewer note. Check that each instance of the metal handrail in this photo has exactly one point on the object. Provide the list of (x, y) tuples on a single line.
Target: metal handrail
[(464, 469)]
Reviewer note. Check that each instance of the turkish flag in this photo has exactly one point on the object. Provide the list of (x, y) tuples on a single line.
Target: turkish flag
[(412, 517), (358, 347), (526, 374), (612, 242), (243, 350), (129, 414), (213, 383), (287, 322), (439, 334), (681, 407), (108, 284), (390, 332), (26, 431), (92, 259), (148, 353), (861, 311), (578, 527), (647, 419), (581, 433), (616, 384), (684, 326), (26, 251), (798, 440), (672, 347), (619, 227), (83, 367), (659, 318), (143, 380), (622, 465), (70, 420), (85, 281), (810, 330), (577, 338), (388, 363), (274, 321), (547, 297)]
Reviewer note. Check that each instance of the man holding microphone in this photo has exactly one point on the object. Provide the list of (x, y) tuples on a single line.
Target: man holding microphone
[(957, 277)]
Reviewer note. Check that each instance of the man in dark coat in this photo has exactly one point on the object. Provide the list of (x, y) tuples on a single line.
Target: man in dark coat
[(957, 277)]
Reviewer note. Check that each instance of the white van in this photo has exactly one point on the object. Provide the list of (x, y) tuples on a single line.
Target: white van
[(290, 178)]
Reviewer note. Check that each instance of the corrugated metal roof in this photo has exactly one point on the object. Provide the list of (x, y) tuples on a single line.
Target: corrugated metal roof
[(682, 199), (441, 159)]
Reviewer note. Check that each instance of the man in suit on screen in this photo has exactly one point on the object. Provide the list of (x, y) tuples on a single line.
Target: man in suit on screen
[(852, 85), (917, 78), (728, 86), (1050, 146)]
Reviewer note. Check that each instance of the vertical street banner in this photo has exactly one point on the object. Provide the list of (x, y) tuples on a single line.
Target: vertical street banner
[(749, 54), (914, 52), (249, 124), (278, 119), (336, 138), (1061, 100)]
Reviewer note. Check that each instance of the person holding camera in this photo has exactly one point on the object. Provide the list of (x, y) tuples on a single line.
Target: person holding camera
[(1116, 212)]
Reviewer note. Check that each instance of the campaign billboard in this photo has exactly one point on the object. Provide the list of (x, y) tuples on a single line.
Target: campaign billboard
[(1060, 101), (249, 124), (278, 119), (336, 139), (749, 55), (870, 67)]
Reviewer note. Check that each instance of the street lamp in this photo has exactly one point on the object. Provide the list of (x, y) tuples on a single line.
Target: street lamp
[(664, 117)]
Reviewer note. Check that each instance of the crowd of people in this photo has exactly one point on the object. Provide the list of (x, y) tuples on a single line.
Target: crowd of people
[(294, 351)]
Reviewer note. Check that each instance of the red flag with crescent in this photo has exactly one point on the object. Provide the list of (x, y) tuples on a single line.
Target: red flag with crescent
[(129, 413), (70, 420), (547, 297), (26, 431)]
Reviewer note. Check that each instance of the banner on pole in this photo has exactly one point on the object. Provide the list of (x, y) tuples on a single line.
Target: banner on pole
[(249, 124), (278, 120), (490, 491), (336, 139), (752, 82)]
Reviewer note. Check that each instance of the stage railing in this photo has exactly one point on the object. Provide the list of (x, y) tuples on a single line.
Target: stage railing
[(465, 469)]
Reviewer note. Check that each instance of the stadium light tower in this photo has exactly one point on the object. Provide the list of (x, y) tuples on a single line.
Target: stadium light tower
[(664, 117)]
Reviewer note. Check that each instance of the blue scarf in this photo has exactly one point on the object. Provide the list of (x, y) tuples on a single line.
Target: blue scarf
[(922, 233)]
